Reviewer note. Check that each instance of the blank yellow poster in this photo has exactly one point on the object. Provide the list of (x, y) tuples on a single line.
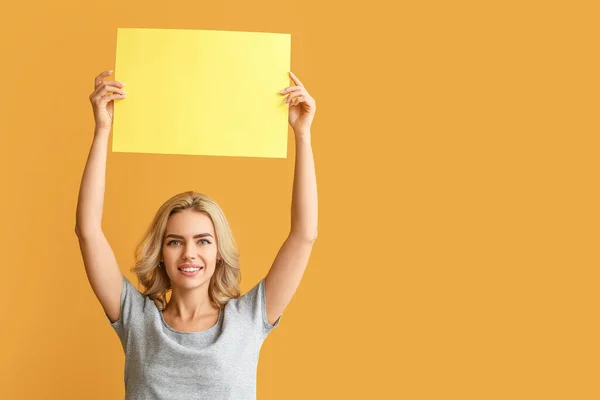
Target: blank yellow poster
[(202, 92)]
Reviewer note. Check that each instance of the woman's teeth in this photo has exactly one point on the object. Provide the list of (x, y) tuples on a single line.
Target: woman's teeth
[(190, 269)]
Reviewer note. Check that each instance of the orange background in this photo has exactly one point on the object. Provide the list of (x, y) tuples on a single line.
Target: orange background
[(456, 147)]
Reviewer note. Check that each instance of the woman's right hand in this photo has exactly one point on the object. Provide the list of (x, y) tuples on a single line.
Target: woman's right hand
[(102, 100)]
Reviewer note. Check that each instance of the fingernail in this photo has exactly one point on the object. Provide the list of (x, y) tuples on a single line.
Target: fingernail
[(281, 91)]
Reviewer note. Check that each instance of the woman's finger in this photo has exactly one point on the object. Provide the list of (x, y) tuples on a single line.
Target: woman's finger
[(102, 90), (114, 96), (99, 78), (114, 83), (108, 88), (295, 79), (289, 89), (298, 100), (297, 90), (99, 101), (295, 93)]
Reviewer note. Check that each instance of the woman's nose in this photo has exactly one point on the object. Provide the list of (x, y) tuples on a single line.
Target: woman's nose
[(189, 253)]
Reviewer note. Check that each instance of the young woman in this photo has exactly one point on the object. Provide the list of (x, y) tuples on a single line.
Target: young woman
[(205, 341)]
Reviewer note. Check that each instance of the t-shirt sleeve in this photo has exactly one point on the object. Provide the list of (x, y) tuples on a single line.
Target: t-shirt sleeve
[(252, 306), (132, 307)]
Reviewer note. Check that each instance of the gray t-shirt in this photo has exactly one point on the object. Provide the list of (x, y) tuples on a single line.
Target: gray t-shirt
[(166, 364)]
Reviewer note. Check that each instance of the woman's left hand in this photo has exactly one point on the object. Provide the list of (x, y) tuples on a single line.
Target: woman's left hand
[(302, 106)]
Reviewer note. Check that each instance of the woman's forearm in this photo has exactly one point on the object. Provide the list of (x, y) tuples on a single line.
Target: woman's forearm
[(91, 193), (304, 196)]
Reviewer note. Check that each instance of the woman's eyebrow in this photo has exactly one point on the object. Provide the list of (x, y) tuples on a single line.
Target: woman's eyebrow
[(195, 236)]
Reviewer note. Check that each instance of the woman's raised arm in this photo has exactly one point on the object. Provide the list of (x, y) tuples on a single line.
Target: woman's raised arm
[(101, 266)]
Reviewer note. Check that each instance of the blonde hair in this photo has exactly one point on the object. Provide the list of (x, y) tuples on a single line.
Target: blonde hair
[(225, 281)]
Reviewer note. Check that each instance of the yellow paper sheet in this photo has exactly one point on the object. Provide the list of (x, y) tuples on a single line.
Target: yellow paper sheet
[(202, 92)]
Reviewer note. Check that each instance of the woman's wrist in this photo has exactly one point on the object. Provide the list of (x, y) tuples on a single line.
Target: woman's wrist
[(101, 131), (303, 135)]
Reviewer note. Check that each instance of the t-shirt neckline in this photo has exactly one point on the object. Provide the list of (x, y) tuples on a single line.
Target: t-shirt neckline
[(162, 318)]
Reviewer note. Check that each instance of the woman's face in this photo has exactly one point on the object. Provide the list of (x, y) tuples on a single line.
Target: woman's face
[(189, 239)]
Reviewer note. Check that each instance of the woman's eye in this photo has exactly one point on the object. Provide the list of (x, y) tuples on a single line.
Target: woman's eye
[(201, 240)]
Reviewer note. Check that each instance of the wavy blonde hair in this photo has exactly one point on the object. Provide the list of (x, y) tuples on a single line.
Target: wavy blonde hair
[(224, 283)]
